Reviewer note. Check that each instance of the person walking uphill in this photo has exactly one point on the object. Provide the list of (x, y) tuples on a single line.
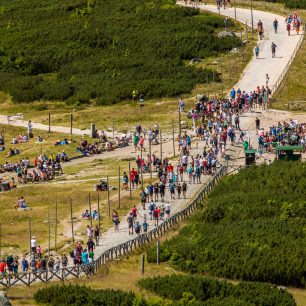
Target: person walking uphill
[(273, 49)]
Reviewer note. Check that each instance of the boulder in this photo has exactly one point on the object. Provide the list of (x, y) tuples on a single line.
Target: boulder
[(23, 209), (224, 34), (4, 301)]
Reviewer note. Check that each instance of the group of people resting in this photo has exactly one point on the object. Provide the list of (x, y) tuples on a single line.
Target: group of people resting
[(286, 133)]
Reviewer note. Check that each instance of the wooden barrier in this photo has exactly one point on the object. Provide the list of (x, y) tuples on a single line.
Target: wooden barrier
[(117, 251)]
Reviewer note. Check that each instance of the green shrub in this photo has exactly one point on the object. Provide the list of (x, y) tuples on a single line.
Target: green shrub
[(75, 295), (252, 229), (104, 50), (213, 292)]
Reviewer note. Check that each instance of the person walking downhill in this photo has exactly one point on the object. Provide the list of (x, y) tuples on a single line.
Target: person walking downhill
[(273, 49), (288, 26), (97, 234), (256, 52), (275, 25), (130, 221), (184, 189)]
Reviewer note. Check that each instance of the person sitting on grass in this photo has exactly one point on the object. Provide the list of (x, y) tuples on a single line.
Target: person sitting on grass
[(21, 204), (86, 215)]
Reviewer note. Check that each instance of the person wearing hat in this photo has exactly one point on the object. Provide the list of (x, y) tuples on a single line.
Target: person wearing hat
[(33, 245)]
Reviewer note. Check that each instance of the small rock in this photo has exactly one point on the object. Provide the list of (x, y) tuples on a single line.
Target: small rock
[(224, 34), (4, 301)]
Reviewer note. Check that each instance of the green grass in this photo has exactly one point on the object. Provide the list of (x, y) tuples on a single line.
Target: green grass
[(31, 149)]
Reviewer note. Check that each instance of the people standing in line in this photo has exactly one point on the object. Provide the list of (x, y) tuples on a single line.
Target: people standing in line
[(256, 50), (273, 49)]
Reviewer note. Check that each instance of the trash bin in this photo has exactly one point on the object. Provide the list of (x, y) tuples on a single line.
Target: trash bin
[(250, 157)]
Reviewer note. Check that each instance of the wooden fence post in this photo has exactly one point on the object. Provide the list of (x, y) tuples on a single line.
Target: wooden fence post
[(49, 233), (49, 122), (71, 119), (55, 228), (0, 238), (142, 264), (71, 219), (157, 252), (30, 234), (130, 182), (108, 200), (161, 144), (119, 186), (99, 211), (89, 204), (150, 153), (173, 138)]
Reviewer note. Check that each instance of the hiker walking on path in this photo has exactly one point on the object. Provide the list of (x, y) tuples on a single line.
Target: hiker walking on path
[(130, 221), (288, 26), (273, 49), (97, 235), (275, 25), (116, 221), (256, 50)]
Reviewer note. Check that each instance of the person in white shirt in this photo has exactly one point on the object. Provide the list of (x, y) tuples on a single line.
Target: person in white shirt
[(89, 232), (33, 245), (167, 209)]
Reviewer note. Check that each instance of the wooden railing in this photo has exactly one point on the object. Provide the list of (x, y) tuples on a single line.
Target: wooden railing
[(120, 250), (285, 71)]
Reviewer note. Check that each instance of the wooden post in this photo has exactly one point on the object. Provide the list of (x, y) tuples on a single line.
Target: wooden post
[(235, 56), (207, 87), (108, 201), (55, 228), (150, 153), (71, 220), (142, 264), (113, 128), (49, 233), (157, 252), (89, 204), (173, 138), (130, 183), (161, 144), (246, 32), (99, 210), (0, 238), (252, 19), (30, 234), (49, 122), (119, 186), (71, 119), (141, 172), (214, 84), (235, 9), (180, 121), (221, 70), (229, 64)]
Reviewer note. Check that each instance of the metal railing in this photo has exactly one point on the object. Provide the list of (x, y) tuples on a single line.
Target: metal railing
[(28, 278)]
